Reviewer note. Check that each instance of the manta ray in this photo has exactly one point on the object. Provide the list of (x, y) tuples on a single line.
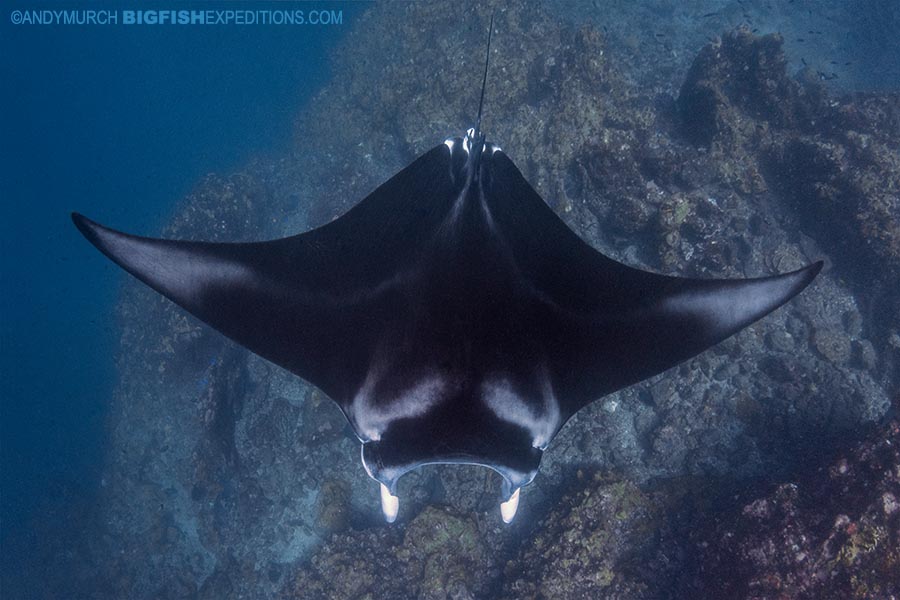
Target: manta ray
[(451, 314)]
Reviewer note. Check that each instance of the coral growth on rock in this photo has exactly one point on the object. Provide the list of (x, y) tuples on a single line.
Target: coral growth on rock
[(834, 533), (593, 544), (441, 555)]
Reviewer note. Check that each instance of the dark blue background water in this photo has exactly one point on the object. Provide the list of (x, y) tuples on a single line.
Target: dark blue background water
[(116, 122)]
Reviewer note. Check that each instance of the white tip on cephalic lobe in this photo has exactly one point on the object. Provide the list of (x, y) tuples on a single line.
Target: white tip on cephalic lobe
[(390, 504), (508, 508)]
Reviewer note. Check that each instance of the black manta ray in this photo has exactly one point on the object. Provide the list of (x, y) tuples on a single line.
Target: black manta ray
[(451, 314)]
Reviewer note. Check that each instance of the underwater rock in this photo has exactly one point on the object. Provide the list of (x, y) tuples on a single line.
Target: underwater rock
[(440, 556), (333, 506), (834, 346), (739, 82), (593, 544), (832, 534), (848, 189), (630, 215), (446, 555), (349, 566)]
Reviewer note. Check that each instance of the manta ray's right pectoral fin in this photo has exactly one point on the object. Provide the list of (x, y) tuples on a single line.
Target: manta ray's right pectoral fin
[(263, 295), (312, 303)]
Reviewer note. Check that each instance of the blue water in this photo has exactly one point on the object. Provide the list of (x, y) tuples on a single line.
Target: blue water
[(119, 123)]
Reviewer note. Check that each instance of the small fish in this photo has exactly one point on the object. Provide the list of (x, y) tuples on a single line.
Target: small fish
[(707, 15), (801, 40)]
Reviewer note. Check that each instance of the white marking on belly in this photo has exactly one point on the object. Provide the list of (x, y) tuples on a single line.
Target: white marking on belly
[(372, 418), (510, 407)]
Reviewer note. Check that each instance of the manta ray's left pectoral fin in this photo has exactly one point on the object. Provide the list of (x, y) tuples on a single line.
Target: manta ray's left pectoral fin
[(678, 319)]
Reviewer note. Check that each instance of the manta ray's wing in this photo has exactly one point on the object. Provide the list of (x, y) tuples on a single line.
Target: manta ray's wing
[(608, 325), (312, 303)]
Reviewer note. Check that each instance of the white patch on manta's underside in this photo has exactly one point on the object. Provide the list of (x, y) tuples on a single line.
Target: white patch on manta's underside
[(512, 408), (372, 418), (450, 142)]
